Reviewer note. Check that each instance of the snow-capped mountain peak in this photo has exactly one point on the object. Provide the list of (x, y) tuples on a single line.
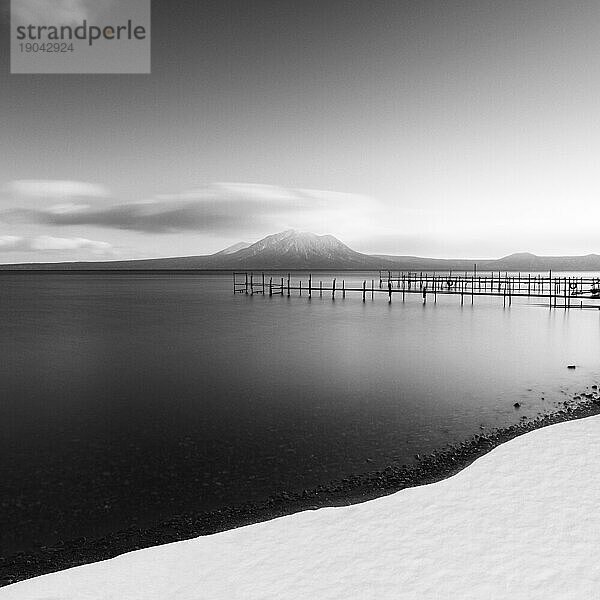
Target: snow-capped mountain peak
[(300, 250)]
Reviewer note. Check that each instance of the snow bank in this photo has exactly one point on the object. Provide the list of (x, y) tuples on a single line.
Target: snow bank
[(521, 522)]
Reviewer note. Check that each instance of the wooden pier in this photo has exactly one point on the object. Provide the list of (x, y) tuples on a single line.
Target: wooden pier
[(551, 290)]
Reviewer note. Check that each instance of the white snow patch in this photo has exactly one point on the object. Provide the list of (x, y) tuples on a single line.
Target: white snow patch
[(522, 522)]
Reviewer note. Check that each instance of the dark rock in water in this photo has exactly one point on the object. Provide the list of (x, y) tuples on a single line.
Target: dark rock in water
[(517, 405), (571, 366)]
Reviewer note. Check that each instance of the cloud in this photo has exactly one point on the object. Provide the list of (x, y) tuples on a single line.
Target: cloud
[(67, 208), (56, 190), (43, 243), (46, 242), (64, 12), (217, 208), (10, 242)]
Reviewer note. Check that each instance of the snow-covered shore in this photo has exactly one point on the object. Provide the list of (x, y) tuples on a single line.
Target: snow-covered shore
[(521, 522)]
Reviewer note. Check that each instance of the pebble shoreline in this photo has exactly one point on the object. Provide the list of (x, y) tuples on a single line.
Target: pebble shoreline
[(430, 468)]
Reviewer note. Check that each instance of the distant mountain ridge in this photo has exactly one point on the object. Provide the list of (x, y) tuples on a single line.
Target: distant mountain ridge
[(294, 250)]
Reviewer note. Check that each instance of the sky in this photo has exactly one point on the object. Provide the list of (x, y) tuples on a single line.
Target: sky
[(436, 128)]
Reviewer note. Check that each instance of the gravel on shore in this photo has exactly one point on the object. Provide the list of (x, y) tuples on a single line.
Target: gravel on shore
[(429, 468)]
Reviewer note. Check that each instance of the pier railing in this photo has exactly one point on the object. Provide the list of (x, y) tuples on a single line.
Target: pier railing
[(553, 291)]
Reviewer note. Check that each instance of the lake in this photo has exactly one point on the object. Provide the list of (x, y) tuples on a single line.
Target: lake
[(128, 398)]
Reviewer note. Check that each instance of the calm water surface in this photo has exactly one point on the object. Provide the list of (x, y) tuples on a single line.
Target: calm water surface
[(129, 398)]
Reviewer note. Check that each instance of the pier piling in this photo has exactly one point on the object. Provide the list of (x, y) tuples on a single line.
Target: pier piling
[(557, 291)]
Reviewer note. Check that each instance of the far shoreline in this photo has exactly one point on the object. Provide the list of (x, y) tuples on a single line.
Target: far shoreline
[(431, 468)]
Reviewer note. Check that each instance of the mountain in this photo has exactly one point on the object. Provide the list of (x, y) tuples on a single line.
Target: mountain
[(294, 250), (525, 261), (289, 250), (299, 250), (232, 249)]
